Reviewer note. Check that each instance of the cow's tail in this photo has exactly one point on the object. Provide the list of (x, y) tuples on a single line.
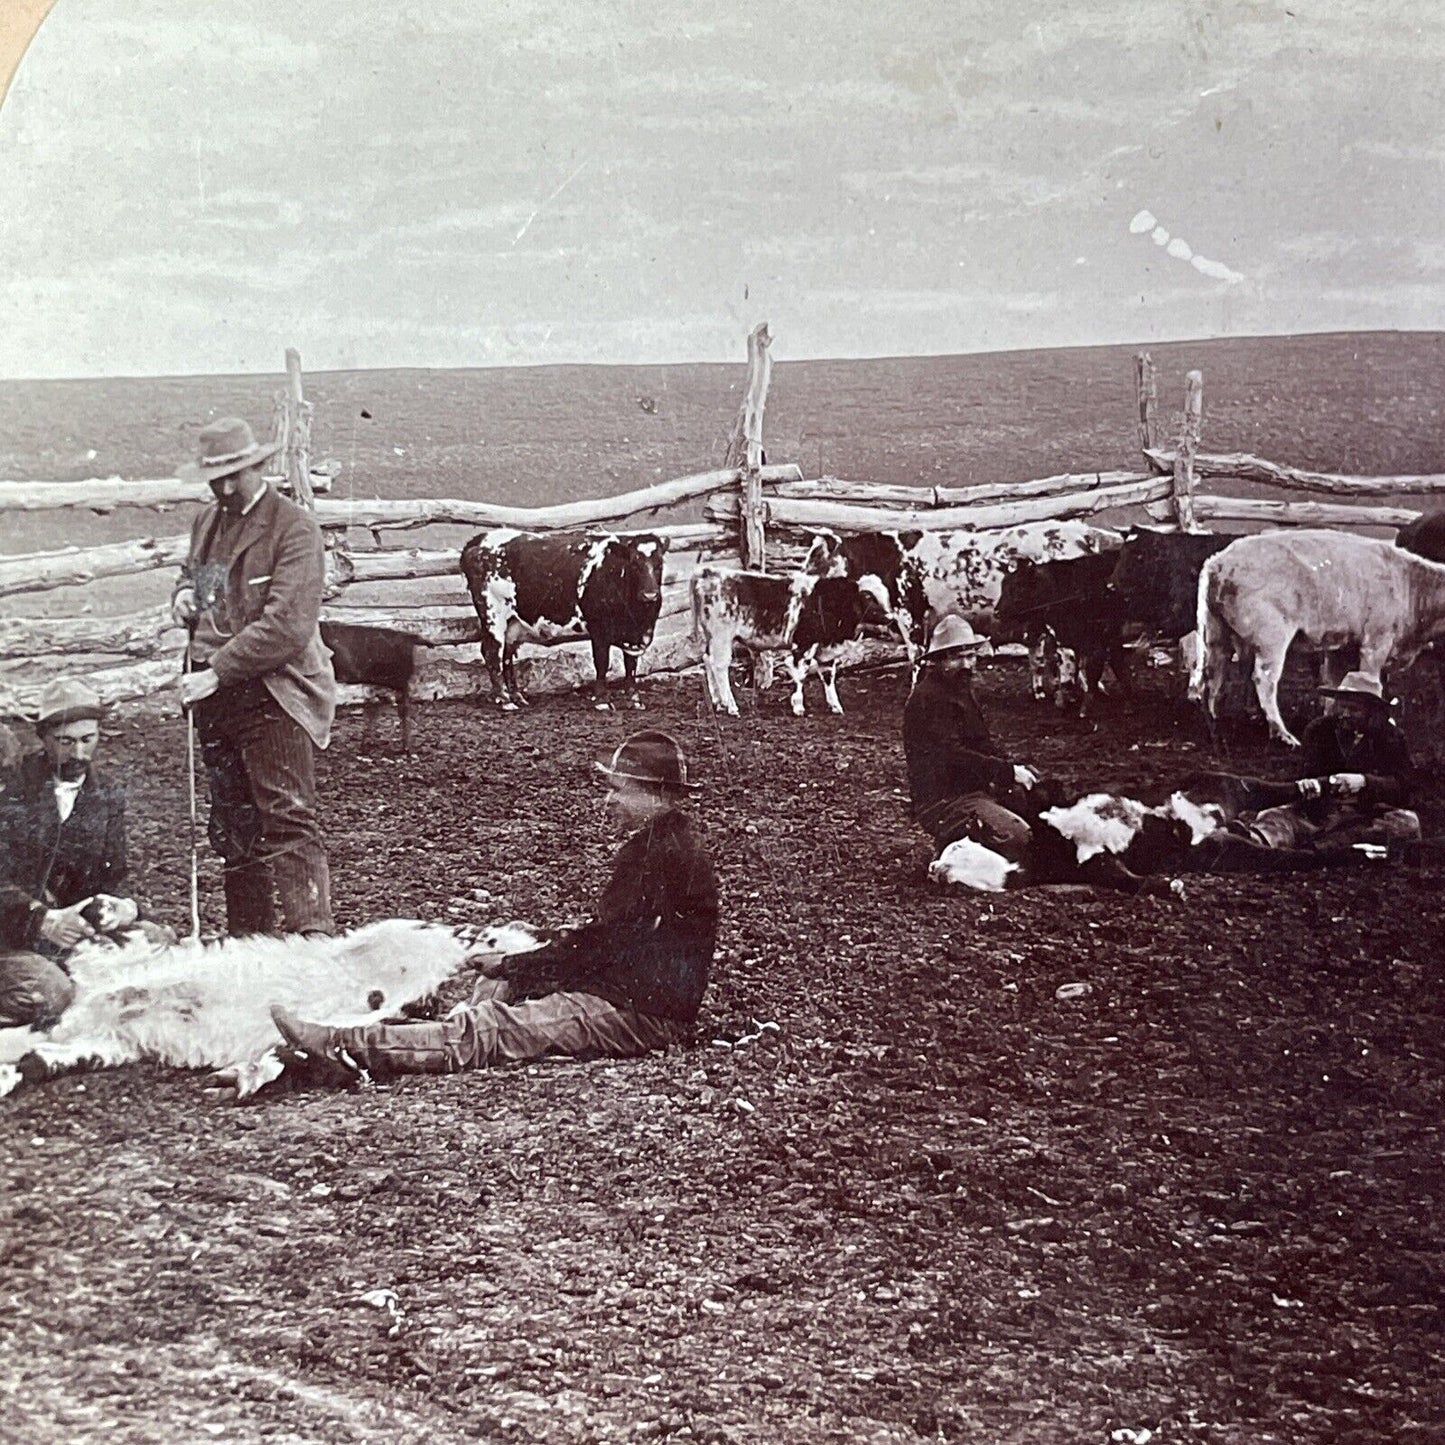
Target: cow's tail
[(1204, 621)]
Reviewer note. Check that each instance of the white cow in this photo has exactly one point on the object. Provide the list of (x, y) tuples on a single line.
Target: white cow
[(197, 1005), (1329, 588)]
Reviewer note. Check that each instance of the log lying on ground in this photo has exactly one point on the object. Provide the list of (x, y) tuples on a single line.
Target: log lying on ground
[(1299, 514), (875, 494), (840, 517), (1241, 467), (41, 571)]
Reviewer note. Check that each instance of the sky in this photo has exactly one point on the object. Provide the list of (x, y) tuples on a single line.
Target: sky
[(191, 188)]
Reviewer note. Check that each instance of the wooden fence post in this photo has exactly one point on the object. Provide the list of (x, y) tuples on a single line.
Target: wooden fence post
[(1148, 401), (745, 450), (1184, 453), (296, 453)]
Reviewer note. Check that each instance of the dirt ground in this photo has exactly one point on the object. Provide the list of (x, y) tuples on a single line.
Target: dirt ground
[(1203, 1200)]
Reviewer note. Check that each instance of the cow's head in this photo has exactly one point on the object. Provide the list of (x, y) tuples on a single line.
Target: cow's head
[(638, 560), (822, 556)]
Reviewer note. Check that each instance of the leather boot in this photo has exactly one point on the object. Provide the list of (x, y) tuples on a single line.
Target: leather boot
[(384, 1049)]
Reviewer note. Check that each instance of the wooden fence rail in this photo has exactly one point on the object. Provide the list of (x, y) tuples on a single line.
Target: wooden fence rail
[(106, 496)]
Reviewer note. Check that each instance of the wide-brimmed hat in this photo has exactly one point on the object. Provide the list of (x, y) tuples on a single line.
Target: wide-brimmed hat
[(67, 700), (1358, 685), (649, 757), (954, 634), (225, 446)]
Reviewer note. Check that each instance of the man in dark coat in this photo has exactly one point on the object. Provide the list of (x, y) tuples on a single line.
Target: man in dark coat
[(62, 842), (261, 684), (962, 786), (630, 981), (1356, 778)]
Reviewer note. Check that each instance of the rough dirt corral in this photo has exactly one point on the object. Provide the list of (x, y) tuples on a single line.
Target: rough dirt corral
[(1202, 1200)]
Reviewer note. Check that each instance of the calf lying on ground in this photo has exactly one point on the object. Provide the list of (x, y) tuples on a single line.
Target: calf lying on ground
[(1117, 842), (375, 657), (195, 1005)]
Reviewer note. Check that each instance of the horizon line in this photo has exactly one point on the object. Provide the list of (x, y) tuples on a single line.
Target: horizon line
[(1138, 346)]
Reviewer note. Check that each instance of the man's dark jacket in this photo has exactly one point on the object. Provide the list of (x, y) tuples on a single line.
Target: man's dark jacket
[(947, 745), (1333, 744), (651, 943), (45, 863)]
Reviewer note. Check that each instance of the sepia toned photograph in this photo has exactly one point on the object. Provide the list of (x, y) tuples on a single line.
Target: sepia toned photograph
[(722, 724)]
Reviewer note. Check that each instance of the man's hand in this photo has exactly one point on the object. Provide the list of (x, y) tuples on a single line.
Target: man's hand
[(1310, 788), (197, 685), (64, 927), (1348, 783), (1024, 777), (184, 607)]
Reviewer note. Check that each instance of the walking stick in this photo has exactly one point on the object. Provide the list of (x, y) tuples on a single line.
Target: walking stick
[(191, 793)]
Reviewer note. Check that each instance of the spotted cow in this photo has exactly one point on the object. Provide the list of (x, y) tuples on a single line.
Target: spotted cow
[(806, 614), (921, 576), (562, 587)]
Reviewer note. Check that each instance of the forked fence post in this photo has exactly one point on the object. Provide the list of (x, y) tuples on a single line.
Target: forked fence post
[(1186, 451)]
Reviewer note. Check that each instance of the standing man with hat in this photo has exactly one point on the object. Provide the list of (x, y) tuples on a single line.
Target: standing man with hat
[(962, 786), (62, 842), (1356, 777), (630, 981), (260, 683)]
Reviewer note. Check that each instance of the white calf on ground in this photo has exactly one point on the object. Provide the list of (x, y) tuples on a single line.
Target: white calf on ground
[(195, 1005)]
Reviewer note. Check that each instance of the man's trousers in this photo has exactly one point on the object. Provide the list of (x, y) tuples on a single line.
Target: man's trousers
[(261, 765)]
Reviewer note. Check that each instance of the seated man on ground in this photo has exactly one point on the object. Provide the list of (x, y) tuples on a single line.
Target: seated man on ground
[(961, 785), (1355, 779), (62, 842), (628, 982)]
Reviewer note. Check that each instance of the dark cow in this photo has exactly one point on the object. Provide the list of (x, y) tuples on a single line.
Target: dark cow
[(376, 657), (808, 615), (1157, 578), (1425, 536), (890, 578), (562, 587), (1070, 603)]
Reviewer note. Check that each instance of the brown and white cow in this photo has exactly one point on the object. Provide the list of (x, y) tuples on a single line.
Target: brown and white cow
[(563, 587), (807, 615), (1329, 588), (921, 576)]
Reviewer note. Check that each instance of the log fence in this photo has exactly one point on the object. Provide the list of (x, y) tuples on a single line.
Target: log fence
[(754, 514)]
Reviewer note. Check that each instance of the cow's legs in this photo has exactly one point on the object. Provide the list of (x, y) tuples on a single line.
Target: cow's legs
[(629, 671), (1269, 661), (716, 659), (497, 656), (828, 673), (601, 660), (1041, 656), (403, 713), (515, 695), (799, 666)]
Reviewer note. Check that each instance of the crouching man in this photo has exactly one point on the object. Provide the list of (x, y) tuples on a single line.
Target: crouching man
[(628, 982), (62, 841), (960, 783), (1355, 784)]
